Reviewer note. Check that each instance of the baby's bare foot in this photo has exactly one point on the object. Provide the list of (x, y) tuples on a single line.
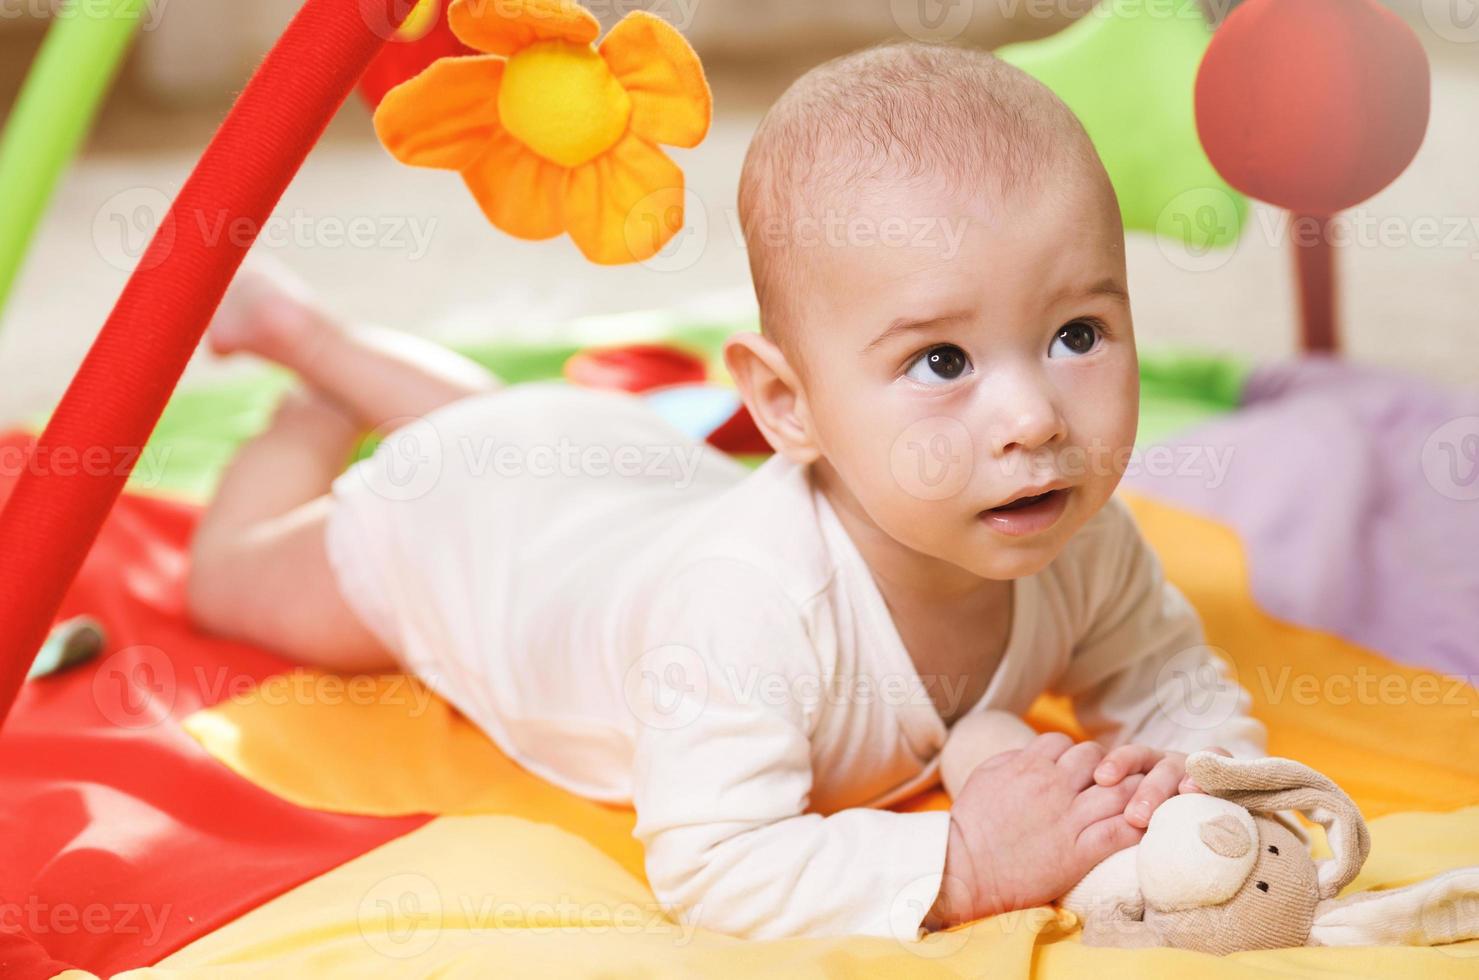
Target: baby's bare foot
[(267, 312)]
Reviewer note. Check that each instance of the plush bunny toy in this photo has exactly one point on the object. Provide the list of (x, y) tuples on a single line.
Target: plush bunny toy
[(1226, 871)]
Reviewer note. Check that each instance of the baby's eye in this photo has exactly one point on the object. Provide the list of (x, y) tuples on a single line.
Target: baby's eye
[(939, 365), (1078, 337)]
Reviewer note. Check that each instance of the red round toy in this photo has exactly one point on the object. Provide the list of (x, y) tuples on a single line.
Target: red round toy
[(635, 367), (1313, 105), (425, 37)]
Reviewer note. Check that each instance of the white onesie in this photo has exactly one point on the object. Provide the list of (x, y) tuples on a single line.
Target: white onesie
[(638, 618)]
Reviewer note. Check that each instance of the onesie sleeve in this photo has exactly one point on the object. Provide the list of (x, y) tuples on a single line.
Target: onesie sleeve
[(1141, 670), (723, 775)]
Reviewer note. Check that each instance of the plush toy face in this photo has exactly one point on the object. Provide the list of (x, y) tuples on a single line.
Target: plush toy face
[(1272, 907), (1198, 851), (1289, 899), (1219, 873)]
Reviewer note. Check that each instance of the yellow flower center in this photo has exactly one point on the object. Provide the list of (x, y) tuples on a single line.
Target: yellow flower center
[(419, 22), (561, 100)]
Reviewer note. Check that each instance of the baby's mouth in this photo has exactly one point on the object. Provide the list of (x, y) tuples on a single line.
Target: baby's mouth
[(1022, 502), (1057, 488), (1027, 515)]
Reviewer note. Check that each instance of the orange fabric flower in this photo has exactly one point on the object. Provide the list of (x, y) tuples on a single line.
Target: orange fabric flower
[(555, 134)]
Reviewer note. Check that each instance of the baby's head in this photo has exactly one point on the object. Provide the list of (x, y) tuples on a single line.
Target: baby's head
[(939, 261)]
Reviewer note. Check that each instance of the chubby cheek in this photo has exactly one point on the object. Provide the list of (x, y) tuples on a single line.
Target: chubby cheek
[(909, 466), (1102, 418), (931, 527)]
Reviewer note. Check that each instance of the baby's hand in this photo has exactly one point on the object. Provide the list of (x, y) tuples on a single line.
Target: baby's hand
[(1164, 772), (1027, 826)]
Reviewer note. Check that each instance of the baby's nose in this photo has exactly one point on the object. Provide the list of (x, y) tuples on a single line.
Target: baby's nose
[(1027, 423)]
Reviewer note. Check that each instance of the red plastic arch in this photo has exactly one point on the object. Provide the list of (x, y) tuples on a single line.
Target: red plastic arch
[(116, 398)]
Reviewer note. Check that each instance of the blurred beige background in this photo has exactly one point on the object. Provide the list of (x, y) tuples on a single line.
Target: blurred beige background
[(408, 247)]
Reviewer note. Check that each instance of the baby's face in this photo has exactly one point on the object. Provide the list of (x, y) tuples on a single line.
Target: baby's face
[(987, 357)]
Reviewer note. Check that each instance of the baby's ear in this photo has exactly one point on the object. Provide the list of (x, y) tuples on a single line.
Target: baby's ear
[(1444, 909), (772, 392)]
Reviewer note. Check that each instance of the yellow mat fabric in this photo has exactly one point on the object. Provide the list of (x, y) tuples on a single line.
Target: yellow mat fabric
[(519, 878)]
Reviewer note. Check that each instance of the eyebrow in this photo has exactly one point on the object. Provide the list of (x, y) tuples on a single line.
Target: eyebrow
[(1104, 287), (907, 325)]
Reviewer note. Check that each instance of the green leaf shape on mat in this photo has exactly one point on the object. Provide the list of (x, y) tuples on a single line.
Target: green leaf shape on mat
[(1180, 389), (204, 425), (1128, 70)]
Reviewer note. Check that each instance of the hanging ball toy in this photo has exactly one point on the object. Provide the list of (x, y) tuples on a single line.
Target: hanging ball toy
[(1312, 105)]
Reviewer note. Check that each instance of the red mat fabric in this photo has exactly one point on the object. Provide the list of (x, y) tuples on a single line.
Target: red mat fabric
[(120, 839)]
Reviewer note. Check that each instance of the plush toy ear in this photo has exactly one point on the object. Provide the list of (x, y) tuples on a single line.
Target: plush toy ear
[(1266, 785), (1287, 820), (1440, 910)]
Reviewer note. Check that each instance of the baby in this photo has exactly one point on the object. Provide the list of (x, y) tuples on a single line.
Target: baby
[(762, 661)]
